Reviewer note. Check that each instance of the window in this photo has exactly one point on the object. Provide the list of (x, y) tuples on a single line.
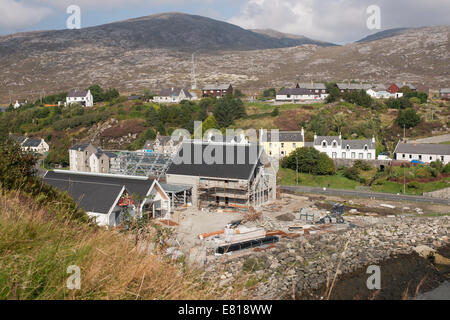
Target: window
[(270, 145), (348, 148), (366, 148), (282, 145), (334, 155), (324, 144), (420, 157), (334, 144), (282, 153), (353, 155), (369, 156), (270, 153), (431, 158), (442, 158), (344, 155), (403, 156), (361, 156), (293, 145)]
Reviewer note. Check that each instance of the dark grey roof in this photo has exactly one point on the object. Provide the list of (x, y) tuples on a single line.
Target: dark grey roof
[(17, 139), (32, 143), (110, 154), (3, 109), (80, 146), (90, 196), (288, 136), (77, 93), (401, 85), (312, 86), (174, 92), (175, 188), (133, 185), (232, 169), (353, 144), (423, 148), (294, 91), (134, 97), (358, 144), (224, 86), (354, 86)]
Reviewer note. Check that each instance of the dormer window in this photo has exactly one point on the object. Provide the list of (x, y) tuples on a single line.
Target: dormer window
[(366, 148), (334, 144), (324, 144), (348, 147)]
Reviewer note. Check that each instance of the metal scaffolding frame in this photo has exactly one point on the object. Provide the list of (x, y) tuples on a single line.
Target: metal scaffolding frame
[(148, 164)]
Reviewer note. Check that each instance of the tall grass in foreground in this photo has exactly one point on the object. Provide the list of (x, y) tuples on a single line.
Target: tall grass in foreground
[(36, 249)]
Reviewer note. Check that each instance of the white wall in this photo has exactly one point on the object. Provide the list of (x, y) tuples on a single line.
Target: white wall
[(427, 158)]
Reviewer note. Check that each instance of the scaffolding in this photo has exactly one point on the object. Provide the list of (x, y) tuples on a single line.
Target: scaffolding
[(148, 164)]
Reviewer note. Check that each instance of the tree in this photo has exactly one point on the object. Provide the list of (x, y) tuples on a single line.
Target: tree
[(275, 112), (238, 93), (228, 109), (269, 93), (333, 93), (209, 123), (309, 160), (408, 118), (97, 93)]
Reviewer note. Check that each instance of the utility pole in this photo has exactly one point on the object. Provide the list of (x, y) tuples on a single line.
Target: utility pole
[(296, 157)]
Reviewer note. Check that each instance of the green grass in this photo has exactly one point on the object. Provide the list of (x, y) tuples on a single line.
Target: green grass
[(445, 142), (338, 181)]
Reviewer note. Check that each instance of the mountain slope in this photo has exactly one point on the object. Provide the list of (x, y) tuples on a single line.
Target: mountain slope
[(279, 35), (163, 31), (384, 34)]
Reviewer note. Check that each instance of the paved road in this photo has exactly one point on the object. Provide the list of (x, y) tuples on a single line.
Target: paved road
[(364, 194)]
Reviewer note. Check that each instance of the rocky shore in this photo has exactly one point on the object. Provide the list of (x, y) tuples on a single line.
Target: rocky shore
[(306, 266)]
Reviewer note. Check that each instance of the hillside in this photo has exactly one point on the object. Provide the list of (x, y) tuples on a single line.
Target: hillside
[(302, 39), (384, 34), (154, 52)]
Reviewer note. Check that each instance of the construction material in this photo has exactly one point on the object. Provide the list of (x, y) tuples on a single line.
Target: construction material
[(276, 233), (210, 234), (243, 234), (387, 206), (246, 244), (167, 222)]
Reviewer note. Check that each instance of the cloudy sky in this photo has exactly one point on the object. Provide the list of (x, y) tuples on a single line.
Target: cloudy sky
[(338, 21)]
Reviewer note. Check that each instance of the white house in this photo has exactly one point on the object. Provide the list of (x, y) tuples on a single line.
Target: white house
[(108, 198), (19, 104), (337, 148), (425, 152), (82, 97), (35, 145), (296, 94), (383, 94), (319, 90), (173, 95)]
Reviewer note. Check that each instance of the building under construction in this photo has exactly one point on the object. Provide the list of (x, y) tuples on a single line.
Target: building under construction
[(224, 174)]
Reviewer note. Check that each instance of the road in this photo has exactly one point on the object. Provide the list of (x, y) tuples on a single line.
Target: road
[(435, 139), (364, 194)]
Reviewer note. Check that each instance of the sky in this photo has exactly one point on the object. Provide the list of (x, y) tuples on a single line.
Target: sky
[(338, 21)]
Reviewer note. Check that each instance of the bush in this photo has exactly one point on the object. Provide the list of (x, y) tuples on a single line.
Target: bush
[(423, 172), (352, 173), (408, 118), (310, 160), (414, 185), (362, 165)]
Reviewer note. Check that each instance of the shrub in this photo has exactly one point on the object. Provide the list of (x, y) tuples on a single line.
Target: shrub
[(422, 172), (446, 169), (310, 160), (352, 173), (414, 185), (362, 165), (408, 118)]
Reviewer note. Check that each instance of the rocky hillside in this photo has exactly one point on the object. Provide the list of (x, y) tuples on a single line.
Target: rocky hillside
[(154, 52), (384, 34)]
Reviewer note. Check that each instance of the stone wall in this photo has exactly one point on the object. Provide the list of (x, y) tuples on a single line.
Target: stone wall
[(443, 193), (374, 163)]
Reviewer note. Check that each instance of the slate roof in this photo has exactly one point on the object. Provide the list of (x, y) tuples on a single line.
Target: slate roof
[(241, 169), (77, 93), (284, 136), (401, 85), (32, 143), (17, 139), (312, 86), (223, 86), (133, 185), (294, 91), (354, 86), (81, 146), (174, 92), (423, 148), (353, 144), (90, 196)]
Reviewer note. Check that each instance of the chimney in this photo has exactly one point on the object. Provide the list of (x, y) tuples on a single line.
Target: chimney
[(315, 136), (373, 139), (340, 136)]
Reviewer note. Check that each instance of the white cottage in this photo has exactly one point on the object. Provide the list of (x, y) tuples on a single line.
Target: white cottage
[(82, 97), (337, 148)]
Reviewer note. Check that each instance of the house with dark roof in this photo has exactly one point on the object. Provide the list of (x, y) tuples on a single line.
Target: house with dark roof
[(107, 198), (85, 157), (337, 148), (224, 174), (395, 87), (295, 94), (279, 144), (444, 93), (424, 152), (319, 90), (30, 144), (173, 95), (35, 145), (217, 90), (81, 97)]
